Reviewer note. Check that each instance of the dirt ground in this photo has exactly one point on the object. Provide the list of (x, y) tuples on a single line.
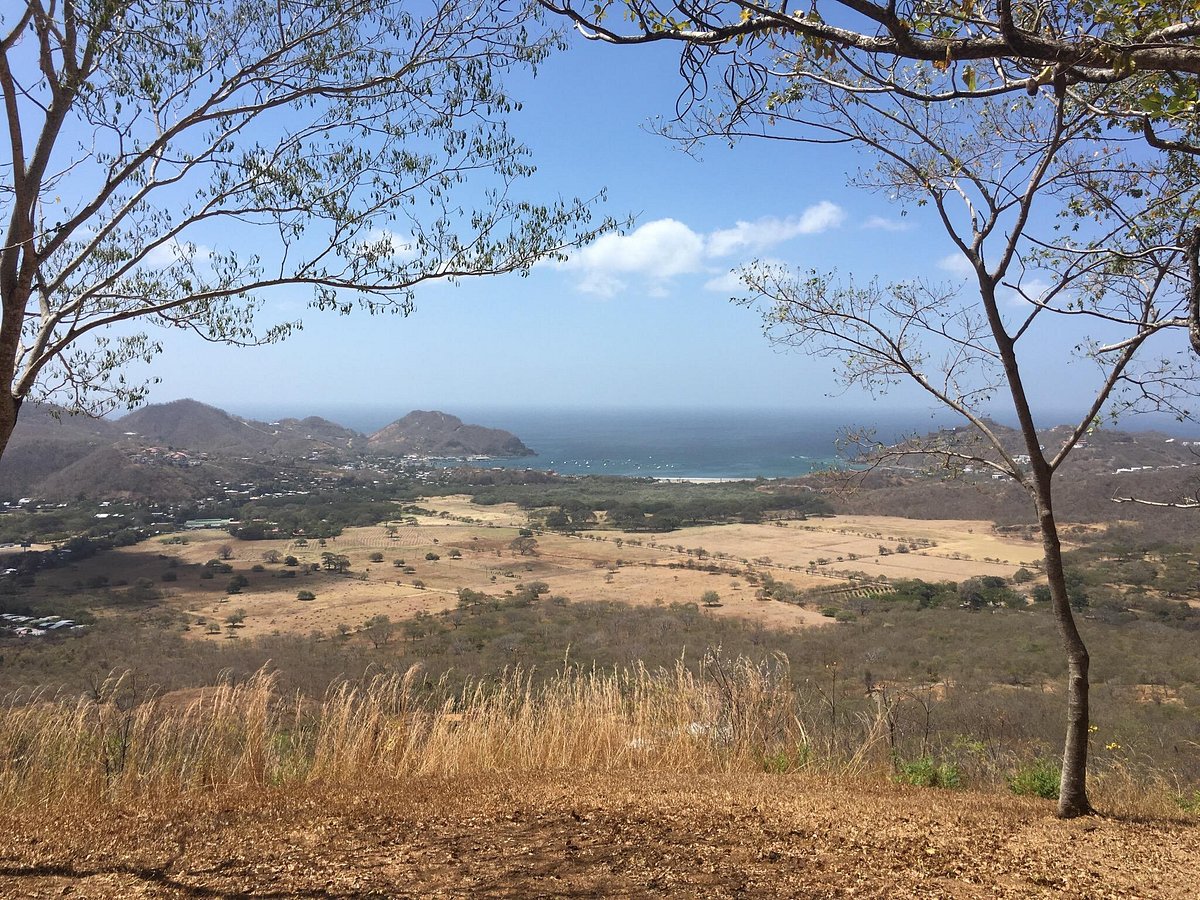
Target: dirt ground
[(473, 546), (644, 835)]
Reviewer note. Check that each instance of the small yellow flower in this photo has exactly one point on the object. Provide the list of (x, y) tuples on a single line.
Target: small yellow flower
[(1113, 746), (1092, 729)]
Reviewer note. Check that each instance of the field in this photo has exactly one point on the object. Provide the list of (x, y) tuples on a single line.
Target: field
[(474, 549)]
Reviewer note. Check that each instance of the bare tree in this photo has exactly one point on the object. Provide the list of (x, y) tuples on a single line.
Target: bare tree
[(1076, 242), (176, 162), (1135, 66)]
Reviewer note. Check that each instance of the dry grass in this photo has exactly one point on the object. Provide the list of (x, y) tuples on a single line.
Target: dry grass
[(582, 569), (629, 783), (729, 716)]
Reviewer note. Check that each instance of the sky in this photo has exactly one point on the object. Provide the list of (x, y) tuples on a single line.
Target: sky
[(641, 319)]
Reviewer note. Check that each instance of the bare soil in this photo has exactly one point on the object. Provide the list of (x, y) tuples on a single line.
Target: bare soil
[(640, 835)]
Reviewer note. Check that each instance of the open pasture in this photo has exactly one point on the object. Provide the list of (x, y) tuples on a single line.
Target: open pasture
[(390, 571)]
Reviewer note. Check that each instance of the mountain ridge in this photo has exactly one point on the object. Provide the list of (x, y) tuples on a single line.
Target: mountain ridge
[(185, 447)]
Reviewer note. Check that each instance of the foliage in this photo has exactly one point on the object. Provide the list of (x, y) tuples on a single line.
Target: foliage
[(925, 771), (1038, 779), (180, 162)]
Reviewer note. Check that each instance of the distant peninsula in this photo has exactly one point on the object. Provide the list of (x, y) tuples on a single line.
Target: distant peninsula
[(439, 434)]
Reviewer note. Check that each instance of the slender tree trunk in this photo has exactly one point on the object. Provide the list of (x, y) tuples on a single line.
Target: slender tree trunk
[(1072, 793), (9, 407)]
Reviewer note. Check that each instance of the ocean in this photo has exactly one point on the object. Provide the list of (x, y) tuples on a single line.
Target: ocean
[(676, 443)]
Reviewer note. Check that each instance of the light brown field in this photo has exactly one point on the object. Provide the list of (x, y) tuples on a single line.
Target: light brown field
[(582, 835), (600, 566)]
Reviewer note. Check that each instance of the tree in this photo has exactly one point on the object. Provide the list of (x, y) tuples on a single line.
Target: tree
[(225, 552), (335, 562), (379, 630), (1122, 272), (1000, 163), (174, 163), (524, 546), (710, 598)]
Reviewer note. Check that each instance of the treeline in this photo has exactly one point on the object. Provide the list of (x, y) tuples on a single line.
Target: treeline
[(633, 504), (318, 515)]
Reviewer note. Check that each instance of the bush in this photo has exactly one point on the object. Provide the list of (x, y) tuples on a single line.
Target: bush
[(432, 557), (928, 772), (376, 557), (398, 563), (1037, 780), (305, 595)]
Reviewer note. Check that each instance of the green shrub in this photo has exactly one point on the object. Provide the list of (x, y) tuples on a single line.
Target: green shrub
[(1040, 779), (925, 771), (305, 595)]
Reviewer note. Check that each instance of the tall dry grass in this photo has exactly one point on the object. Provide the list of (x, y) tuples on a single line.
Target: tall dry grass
[(727, 715)]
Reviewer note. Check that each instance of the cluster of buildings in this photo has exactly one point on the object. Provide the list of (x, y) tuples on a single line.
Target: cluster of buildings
[(33, 626), (167, 456)]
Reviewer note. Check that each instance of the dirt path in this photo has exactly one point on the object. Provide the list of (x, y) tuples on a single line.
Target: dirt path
[(635, 836)]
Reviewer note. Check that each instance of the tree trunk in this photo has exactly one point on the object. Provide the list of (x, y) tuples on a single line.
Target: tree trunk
[(9, 407), (1072, 793)]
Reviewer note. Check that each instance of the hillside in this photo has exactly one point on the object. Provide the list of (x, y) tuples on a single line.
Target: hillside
[(422, 433), (631, 834), (186, 449)]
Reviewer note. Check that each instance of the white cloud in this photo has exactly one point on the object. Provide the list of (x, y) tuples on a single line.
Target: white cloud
[(1034, 289), (399, 247), (881, 224), (956, 264), (661, 250), (769, 231), (170, 252), (730, 283), (655, 251)]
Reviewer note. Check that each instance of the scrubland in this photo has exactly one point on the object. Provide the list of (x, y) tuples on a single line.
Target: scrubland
[(566, 718)]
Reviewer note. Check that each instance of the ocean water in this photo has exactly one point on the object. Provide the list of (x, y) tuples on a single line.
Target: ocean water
[(668, 443)]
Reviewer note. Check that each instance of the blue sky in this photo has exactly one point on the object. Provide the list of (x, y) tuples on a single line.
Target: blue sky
[(637, 320)]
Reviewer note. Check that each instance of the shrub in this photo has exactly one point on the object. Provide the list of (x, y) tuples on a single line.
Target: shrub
[(432, 557), (376, 557), (1040, 779), (925, 771), (398, 563), (305, 595)]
